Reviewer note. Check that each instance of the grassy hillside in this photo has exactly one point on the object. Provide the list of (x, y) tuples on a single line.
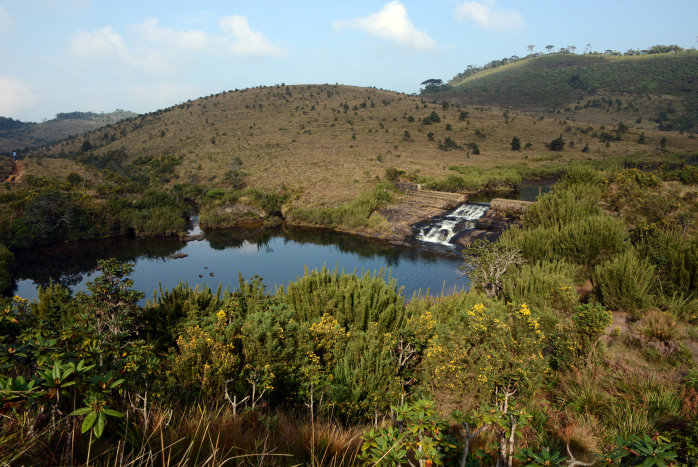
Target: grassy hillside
[(16, 135), (328, 143), (594, 87)]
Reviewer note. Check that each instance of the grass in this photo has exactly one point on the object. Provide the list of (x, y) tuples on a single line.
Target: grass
[(200, 436), (591, 87), (300, 141)]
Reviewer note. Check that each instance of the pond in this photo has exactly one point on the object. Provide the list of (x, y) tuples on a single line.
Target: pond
[(278, 256), (528, 190)]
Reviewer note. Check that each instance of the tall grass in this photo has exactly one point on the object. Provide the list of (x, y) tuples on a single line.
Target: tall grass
[(355, 214), (198, 436)]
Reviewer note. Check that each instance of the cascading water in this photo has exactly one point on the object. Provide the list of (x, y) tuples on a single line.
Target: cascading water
[(443, 228)]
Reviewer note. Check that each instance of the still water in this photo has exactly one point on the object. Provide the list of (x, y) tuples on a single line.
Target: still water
[(278, 256)]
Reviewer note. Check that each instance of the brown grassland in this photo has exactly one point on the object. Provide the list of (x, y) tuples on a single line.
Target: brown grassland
[(326, 143)]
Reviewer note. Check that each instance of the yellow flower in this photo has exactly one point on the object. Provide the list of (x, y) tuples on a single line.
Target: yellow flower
[(221, 315)]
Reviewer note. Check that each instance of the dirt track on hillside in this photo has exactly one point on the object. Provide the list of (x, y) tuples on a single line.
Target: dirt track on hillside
[(17, 172)]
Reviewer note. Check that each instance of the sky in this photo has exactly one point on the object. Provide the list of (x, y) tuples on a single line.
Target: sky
[(100, 55)]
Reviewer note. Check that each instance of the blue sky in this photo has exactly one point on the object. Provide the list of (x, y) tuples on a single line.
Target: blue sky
[(99, 55)]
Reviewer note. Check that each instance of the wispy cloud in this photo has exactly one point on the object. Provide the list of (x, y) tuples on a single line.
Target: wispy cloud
[(487, 15), (106, 44), (193, 40), (155, 48), (7, 22), (17, 96), (393, 24), (245, 40)]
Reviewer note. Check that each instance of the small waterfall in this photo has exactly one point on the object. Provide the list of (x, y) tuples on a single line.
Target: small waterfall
[(443, 228)]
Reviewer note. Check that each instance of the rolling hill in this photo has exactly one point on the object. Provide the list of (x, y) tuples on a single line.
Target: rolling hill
[(16, 135), (326, 143), (652, 91)]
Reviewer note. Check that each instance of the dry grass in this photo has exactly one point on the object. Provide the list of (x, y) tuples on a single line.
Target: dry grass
[(198, 436), (300, 137)]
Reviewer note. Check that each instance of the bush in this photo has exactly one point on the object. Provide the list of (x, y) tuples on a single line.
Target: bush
[(433, 117), (558, 144), (6, 262), (354, 301), (543, 285), (590, 241), (562, 206), (516, 144), (448, 144), (624, 283)]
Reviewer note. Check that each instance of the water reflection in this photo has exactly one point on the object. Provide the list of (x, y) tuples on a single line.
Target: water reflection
[(277, 255)]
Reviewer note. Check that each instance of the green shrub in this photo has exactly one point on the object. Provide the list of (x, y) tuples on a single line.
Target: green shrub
[(564, 205), (354, 301), (536, 244), (592, 240), (6, 263), (676, 260), (543, 285), (624, 283), (452, 183)]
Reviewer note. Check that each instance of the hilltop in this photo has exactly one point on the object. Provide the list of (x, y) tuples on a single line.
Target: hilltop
[(327, 143), (16, 135), (652, 91)]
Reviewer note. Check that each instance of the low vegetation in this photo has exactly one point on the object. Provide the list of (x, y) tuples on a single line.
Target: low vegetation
[(569, 350)]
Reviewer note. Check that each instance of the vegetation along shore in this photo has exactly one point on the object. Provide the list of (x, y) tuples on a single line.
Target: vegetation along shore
[(576, 344)]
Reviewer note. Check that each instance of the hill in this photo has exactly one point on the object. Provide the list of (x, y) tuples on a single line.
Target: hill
[(653, 91), (327, 143), (17, 136)]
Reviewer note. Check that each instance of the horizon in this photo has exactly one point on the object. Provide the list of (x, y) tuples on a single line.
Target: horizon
[(78, 55)]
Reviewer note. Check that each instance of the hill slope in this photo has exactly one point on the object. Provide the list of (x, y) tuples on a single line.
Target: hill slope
[(330, 142), (594, 87), (16, 135)]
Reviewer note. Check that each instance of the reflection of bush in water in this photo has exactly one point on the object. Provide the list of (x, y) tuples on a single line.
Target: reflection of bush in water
[(66, 264), (220, 239)]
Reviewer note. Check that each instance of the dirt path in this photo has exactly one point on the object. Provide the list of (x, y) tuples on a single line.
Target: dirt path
[(17, 173)]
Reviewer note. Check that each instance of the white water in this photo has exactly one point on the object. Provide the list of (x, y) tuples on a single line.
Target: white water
[(445, 228)]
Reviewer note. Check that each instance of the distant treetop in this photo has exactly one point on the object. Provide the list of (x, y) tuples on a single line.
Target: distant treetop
[(432, 81)]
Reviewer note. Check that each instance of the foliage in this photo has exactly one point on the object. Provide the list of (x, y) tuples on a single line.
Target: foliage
[(354, 301), (356, 214), (6, 264), (558, 144), (422, 436), (643, 451), (543, 284), (487, 263), (624, 282), (488, 349), (433, 117)]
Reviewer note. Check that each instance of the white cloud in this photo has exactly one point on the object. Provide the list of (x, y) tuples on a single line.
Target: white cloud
[(157, 49), (105, 44), (391, 23), (190, 41), (245, 40), (7, 22), (486, 15), (16, 95)]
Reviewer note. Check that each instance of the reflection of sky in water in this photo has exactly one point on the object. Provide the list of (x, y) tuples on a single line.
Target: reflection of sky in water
[(279, 260)]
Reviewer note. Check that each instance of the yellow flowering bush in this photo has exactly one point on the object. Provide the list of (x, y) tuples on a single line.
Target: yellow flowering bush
[(486, 349)]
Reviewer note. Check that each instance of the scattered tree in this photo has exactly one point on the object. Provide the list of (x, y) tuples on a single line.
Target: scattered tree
[(516, 144)]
